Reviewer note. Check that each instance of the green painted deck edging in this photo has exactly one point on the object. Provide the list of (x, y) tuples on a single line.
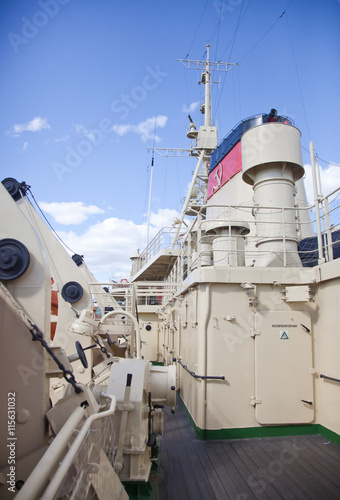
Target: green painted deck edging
[(265, 431), (330, 435)]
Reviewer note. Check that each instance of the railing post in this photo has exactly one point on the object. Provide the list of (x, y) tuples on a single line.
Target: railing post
[(199, 236), (316, 200), (328, 230)]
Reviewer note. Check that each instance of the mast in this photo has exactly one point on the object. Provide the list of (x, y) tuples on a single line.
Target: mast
[(207, 105), (149, 207), (206, 136), (207, 121)]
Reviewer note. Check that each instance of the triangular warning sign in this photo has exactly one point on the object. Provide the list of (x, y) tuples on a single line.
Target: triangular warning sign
[(284, 335)]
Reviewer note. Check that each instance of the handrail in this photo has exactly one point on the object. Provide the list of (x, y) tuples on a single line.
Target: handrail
[(37, 480), (65, 464), (330, 194), (204, 377), (211, 215), (329, 378), (39, 476), (137, 338), (162, 241)]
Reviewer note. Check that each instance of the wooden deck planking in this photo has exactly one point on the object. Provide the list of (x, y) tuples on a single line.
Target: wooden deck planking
[(299, 467), (233, 478), (187, 469), (258, 470), (203, 472), (280, 448), (330, 460), (232, 457), (229, 476), (171, 467), (265, 467), (309, 472)]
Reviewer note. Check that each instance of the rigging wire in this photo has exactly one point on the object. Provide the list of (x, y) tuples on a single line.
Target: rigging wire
[(216, 45), (199, 23), (234, 93), (151, 172), (298, 77), (218, 25), (232, 40), (239, 93), (240, 19), (178, 181), (266, 33), (218, 30), (144, 211), (186, 87), (47, 221), (255, 45), (329, 162), (324, 161), (164, 189)]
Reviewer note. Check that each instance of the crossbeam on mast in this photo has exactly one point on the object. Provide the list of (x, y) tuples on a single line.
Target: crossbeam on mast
[(175, 152), (214, 66)]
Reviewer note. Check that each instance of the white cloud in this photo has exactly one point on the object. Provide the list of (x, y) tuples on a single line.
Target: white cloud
[(191, 108), (62, 139), (330, 180), (68, 213), (35, 125), (163, 218), (122, 129), (146, 129), (108, 245), (25, 146), (80, 129)]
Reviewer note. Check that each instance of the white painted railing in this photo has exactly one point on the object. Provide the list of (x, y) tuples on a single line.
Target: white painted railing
[(52, 464), (162, 240)]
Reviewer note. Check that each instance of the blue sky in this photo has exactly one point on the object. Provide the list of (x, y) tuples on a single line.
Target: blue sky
[(86, 86)]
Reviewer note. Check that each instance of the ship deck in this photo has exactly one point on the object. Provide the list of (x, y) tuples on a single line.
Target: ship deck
[(298, 467)]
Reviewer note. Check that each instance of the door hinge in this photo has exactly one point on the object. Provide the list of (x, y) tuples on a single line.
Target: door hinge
[(255, 401)]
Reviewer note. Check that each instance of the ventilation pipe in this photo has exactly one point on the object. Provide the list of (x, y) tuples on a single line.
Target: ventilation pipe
[(228, 245), (272, 163)]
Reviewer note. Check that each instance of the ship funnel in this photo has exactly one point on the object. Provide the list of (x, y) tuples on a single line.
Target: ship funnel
[(272, 163)]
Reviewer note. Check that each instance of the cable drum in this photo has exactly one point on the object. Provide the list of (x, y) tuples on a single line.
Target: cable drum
[(13, 187), (14, 259), (72, 291)]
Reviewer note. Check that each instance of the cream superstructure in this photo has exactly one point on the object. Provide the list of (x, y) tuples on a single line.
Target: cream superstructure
[(252, 325)]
